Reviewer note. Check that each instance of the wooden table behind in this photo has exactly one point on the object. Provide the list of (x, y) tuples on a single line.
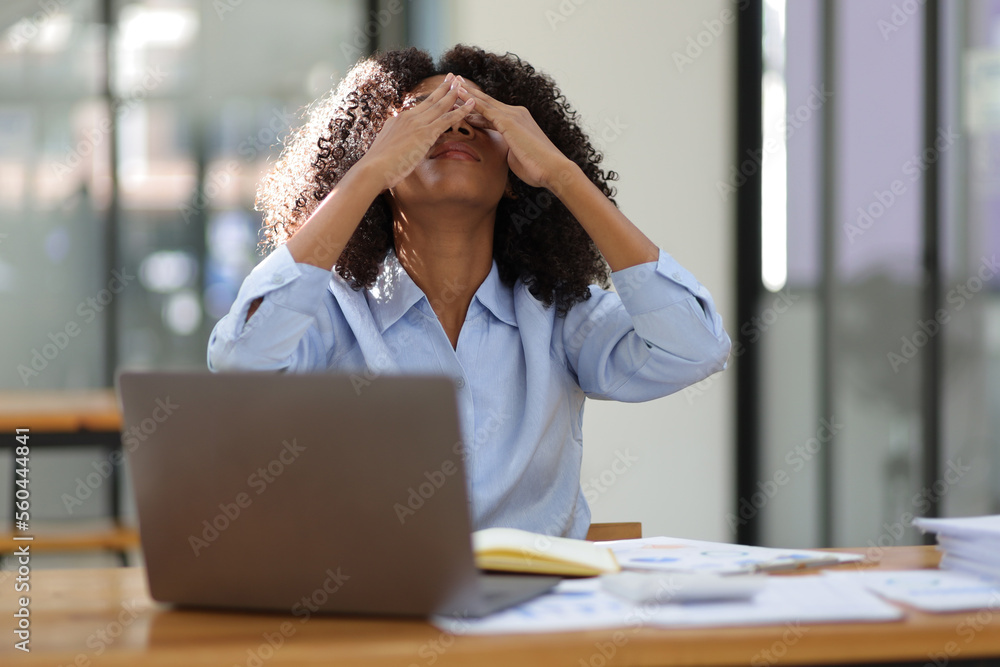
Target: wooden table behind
[(105, 617), (59, 411)]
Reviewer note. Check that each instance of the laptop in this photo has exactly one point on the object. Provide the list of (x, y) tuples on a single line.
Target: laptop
[(306, 493)]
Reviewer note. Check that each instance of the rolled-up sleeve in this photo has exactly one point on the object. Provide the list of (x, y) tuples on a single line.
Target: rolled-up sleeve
[(283, 333), (658, 334)]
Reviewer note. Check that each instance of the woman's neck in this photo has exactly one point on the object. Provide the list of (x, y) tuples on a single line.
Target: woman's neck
[(448, 254)]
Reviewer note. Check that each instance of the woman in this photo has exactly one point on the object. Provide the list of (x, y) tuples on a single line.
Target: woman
[(454, 220)]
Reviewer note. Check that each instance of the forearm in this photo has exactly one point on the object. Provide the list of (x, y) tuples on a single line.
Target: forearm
[(322, 238), (621, 242)]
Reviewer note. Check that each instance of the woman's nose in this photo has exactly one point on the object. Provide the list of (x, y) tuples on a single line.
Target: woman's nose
[(460, 125)]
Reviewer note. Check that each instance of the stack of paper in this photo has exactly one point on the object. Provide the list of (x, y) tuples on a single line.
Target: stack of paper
[(970, 545)]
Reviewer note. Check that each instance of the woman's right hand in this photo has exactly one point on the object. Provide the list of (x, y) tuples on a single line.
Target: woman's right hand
[(406, 137)]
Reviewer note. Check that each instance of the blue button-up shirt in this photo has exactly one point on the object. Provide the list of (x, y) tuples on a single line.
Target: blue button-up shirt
[(521, 370)]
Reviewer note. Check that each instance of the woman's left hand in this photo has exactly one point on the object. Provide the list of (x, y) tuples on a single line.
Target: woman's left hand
[(532, 156)]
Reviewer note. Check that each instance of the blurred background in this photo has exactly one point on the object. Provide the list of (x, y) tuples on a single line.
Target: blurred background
[(829, 169)]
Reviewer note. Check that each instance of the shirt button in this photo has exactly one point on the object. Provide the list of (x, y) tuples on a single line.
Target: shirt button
[(460, 382), (676, 276), (277, 279)]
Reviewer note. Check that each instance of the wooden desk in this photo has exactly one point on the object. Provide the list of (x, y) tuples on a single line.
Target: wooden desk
[(105, 617)]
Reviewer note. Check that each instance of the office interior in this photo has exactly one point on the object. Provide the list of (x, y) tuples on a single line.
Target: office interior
[(828, 169)]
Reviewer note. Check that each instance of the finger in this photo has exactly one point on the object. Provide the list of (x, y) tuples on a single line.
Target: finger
[(429, 109), (475, 118), (485, 105), (448, 100), (453, 116), (440, 91), (482, 97), (418, 103), (480, 121)]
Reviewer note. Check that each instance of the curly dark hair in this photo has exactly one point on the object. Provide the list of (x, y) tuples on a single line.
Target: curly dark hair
[(535, 237)]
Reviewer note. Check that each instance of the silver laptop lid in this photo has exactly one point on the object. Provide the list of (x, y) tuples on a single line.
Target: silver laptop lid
[(300, 493)]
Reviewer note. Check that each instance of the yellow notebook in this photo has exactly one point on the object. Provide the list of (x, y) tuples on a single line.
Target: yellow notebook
[(513, 550)]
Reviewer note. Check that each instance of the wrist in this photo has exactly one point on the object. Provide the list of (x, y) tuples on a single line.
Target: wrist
[(368, 175), (564, 177)]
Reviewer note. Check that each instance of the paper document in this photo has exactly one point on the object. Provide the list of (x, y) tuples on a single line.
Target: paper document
[(958, 562), (574, 604), (973, 527), (982, 550), (806, 599), (651, 587), (681, 555), (582, 604), (929, 590), (970, 544)]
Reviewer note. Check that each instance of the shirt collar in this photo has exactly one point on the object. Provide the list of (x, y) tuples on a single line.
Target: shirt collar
[(394, 293), (497, 297)]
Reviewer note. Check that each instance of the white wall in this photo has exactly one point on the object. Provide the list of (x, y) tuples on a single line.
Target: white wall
[(615, 62)]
